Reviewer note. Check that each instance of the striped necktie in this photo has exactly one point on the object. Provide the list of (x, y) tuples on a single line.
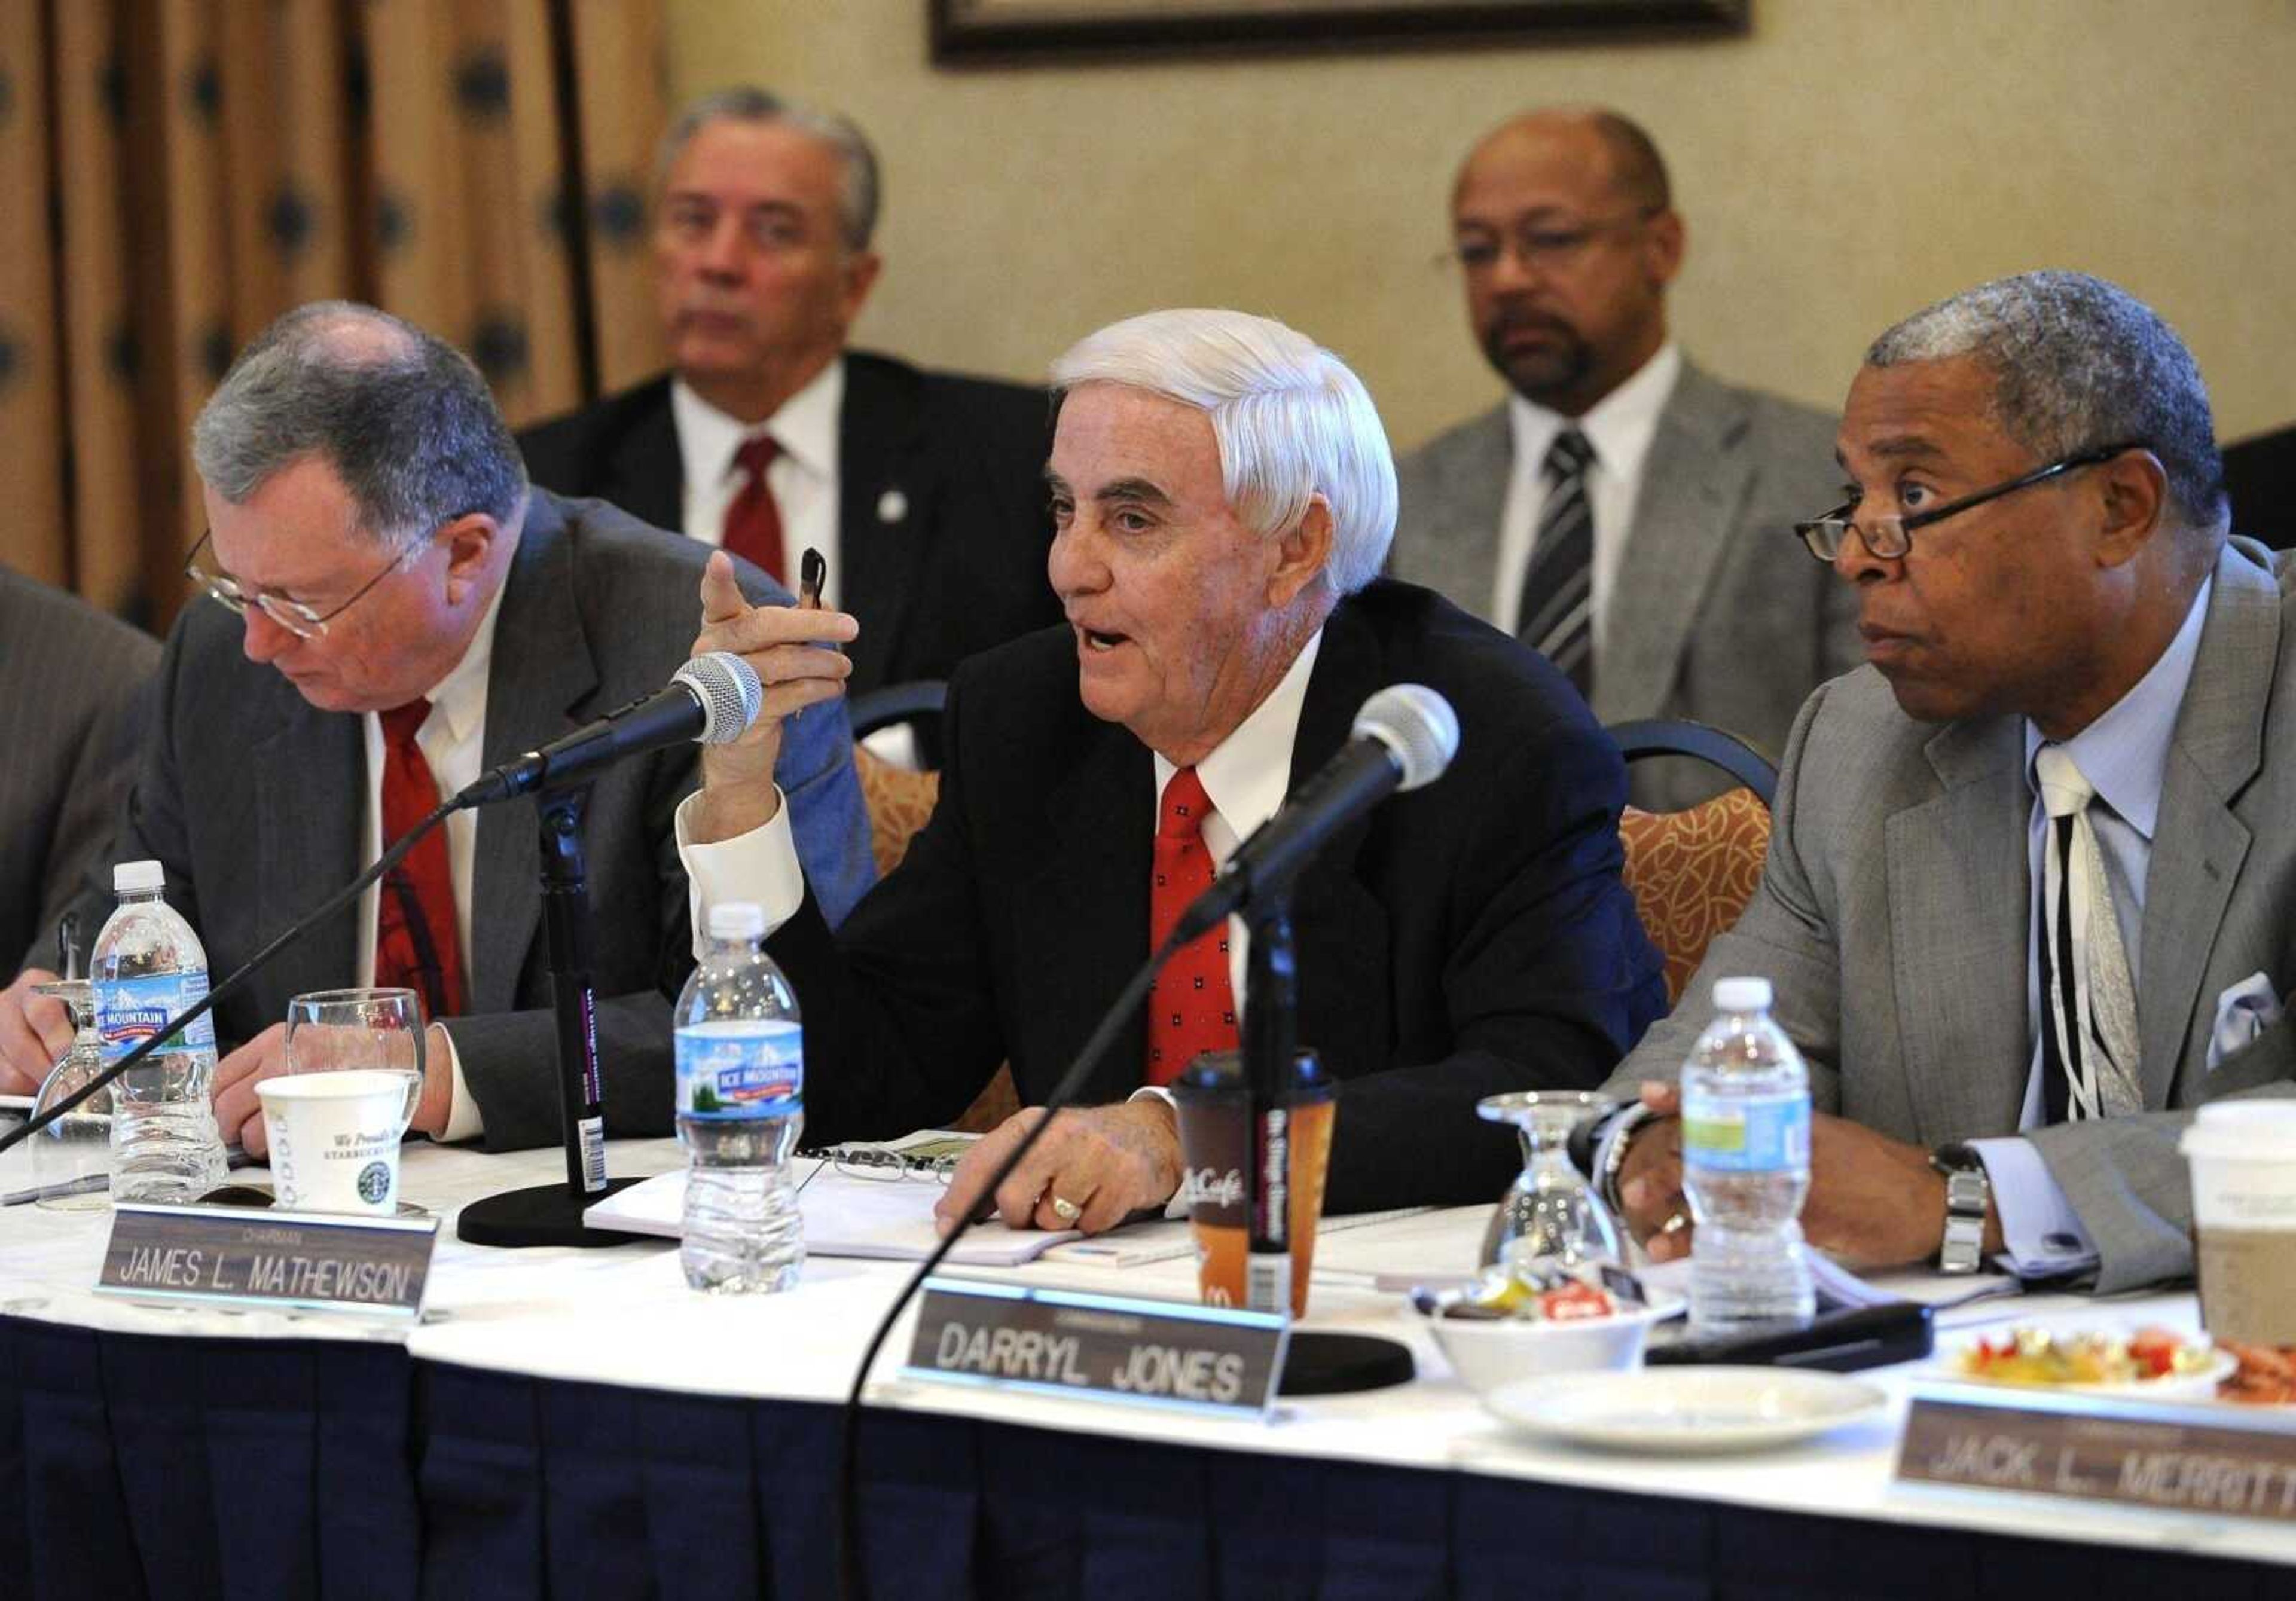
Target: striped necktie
[(1556, 617), (2088, 1028)]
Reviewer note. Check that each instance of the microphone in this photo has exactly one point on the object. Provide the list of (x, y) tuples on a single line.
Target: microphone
[(712, 700), (1404, 736)]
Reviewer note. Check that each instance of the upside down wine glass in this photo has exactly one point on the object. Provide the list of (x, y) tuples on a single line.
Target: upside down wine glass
[(1550, 1215)]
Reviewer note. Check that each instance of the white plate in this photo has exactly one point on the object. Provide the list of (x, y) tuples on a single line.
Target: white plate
[(1687, 1411)]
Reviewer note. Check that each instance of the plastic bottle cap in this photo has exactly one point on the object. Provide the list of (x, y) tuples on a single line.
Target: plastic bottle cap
[(1741, 994), (134, 878), (737, 920)]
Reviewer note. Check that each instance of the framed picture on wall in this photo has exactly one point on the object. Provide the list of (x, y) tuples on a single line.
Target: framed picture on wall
[(969, 30)]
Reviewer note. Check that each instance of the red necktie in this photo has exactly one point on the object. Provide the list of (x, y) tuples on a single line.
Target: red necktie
[(1191, 1008), (415, 945), (753, 522)]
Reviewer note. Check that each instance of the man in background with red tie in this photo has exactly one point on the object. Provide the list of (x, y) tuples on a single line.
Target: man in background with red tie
[(1223, 496), (397, 611), (921, 490)]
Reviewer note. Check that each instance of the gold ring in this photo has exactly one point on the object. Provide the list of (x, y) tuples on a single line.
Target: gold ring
[(1675, 1224), (1067, 1211)]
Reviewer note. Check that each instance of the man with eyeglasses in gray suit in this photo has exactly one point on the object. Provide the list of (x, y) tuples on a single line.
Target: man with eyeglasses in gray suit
[(2027, 901), (1621, 511)]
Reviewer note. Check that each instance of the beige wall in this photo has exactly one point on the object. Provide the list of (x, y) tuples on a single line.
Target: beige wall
[(1845, 163)]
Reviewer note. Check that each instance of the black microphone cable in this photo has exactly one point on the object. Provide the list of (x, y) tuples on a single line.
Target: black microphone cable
[(852, 1575), (247, 970)]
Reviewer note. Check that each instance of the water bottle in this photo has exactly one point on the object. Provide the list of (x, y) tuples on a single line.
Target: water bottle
[(147, 967), (741, 1102), (1745, 1167)]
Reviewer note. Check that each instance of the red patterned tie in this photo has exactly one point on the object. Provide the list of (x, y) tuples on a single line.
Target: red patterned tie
[(1190, 1007), (753, 522), (415, 945)]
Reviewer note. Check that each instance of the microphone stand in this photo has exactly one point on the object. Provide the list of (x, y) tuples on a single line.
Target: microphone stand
[(1271, 1046), (551, 1214)]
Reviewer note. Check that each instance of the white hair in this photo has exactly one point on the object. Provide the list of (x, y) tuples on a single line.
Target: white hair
[(1291, 422)]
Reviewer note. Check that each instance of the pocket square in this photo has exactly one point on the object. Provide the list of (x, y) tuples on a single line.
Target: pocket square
[(2243, 1012)]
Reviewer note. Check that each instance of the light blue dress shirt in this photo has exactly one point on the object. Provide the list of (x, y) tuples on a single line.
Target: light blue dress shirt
[(2124, 755)]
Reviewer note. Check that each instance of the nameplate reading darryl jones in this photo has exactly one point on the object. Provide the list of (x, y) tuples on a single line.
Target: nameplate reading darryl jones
[(2227, 1460), (1113, 1348), (230, 1256)]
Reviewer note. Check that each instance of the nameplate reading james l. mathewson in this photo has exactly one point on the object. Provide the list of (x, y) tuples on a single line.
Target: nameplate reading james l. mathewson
[(230, 1256), (1111, 1348), (2222, 1461)]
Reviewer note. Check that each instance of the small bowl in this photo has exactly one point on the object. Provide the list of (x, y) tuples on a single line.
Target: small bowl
[(1486, 1353)]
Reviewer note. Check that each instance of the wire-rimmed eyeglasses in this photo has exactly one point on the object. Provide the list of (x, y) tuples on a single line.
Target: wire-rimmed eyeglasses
[(887, 1166), (293, 615), (1890, 538), (1541, 247)]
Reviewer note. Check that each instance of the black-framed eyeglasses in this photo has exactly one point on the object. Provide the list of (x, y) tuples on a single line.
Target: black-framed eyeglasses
[(1540, 246), (293, 615), (1890, 538)]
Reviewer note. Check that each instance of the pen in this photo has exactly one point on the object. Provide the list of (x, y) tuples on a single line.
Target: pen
[(85, 1184)]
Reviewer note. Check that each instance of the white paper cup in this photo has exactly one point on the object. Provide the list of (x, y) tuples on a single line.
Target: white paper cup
[(334, 1139), (2243, 1160)]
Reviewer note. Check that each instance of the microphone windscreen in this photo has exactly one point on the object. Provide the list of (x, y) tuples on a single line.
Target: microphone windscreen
[(1417, 725), (729, 692)]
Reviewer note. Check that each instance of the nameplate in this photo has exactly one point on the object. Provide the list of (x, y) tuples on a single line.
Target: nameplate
[(2219, 1460), (1168, 1353), (231, 1256)]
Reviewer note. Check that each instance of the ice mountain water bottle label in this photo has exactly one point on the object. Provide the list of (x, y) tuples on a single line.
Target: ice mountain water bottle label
[(740, 1067), (130, 1011), (1745, 1134)]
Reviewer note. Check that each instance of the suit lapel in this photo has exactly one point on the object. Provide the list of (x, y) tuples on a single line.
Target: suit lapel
[(310, 803), (1338, 925), (1460, 549), (1960, 901), (2198, 845), (540, 673), (885, 483), (644, 473), (1694, 482)]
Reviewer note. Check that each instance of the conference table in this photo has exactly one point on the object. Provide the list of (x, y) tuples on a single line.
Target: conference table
[(579, 1424)]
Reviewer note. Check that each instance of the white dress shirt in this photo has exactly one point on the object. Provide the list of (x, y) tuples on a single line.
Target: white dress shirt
[(1621, 427), (803, 477)]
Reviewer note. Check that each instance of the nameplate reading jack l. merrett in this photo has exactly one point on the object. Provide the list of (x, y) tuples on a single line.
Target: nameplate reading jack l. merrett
[(1112, 1348), (2225, 1460), (231, 1256)]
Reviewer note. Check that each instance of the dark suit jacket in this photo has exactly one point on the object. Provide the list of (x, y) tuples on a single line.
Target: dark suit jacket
[(1468, 937), (962, 461), (253, 798), (69, 722)]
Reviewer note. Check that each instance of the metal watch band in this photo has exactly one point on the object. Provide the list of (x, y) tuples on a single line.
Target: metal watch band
[(1610, 1154), (1968, 1194)]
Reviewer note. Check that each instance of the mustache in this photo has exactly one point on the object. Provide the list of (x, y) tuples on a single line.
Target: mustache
[(1516, 319)]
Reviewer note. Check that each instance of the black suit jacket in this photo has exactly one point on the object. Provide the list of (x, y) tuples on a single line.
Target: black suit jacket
[(253, 800), (961, 462), (1468, 937)]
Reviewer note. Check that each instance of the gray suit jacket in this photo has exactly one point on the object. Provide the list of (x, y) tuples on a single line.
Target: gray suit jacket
[(1892, 914), (69, 721), (253, 800), (1718, 614)]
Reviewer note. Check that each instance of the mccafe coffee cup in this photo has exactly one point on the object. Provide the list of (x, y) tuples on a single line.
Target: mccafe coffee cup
[(2243, 1159), (1215, 1146)]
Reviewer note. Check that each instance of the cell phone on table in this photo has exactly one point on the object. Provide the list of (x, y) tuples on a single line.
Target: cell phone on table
[(1842, 1340), (812, 573)]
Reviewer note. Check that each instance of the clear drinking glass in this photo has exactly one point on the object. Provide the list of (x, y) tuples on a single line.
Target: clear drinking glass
[(346, 1030), (71, 1157), (1550, 1215)]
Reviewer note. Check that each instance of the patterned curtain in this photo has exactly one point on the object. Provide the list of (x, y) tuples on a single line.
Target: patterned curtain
[(176, 173)]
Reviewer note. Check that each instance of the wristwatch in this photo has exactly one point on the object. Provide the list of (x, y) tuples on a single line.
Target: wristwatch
[(1968, 1194)]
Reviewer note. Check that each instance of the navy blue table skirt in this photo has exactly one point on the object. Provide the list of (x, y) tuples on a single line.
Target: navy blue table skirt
[(134, 1467)]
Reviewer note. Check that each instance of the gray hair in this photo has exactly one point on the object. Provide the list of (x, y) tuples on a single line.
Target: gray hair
[(1291, 421), (2080, 363), (401, 415), (858, 196)]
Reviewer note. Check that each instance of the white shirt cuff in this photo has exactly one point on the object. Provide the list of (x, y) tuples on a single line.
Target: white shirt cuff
[(759, 866), (464, 1119), (2041, 1233), (1178, 1206)]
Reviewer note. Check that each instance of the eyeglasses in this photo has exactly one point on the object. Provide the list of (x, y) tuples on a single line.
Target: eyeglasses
[(886, 1166), (1890, 538), (291, 615), (1539, 246)]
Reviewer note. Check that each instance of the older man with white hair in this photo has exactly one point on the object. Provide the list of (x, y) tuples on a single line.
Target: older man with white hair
[(1223, 496)]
